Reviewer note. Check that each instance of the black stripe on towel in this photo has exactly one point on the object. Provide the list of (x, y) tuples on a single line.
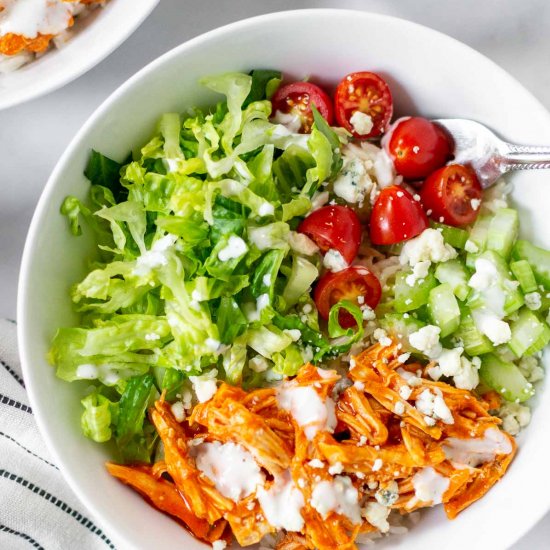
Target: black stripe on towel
[(29, 539), (85, 522), (12, 372), (2, 434), (5, 400)]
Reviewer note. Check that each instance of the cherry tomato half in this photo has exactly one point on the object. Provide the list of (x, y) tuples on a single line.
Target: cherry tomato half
[(348, 284), (336, 227), (396, 217), (368, 93), (452, 195), (418, 147), (297, 98)]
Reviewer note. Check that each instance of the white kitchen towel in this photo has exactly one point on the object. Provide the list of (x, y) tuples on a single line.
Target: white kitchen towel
[(37, 508)]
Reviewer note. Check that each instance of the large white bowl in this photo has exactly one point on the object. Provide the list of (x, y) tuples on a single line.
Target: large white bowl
[(429, 73), (95, 37)]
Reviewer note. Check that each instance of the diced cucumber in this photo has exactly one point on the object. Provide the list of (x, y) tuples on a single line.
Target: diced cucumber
[(538, 258), (524, 274), (454, 272), (409, 298), (444, 309), (400, 327), (503, 231), (454, 236), (505, 378), (529, 334), (475, 343)]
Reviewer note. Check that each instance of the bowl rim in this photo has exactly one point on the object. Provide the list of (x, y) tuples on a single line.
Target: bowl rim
[(40, 210), (35, 92)]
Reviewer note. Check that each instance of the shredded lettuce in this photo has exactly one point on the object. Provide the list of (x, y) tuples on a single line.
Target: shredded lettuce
[(194, 274), (98, 416)]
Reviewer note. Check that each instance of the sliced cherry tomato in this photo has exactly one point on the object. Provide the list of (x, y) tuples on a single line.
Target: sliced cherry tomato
[(334, 227), (452, 195), (418, 147), (349, 284), (297, 98), (368, 93), (396, 216)]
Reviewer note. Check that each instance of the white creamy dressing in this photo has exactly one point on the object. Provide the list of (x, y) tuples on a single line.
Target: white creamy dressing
[(430, 486), (489, 320), (234, 248), (308, 409), (302, 244), (339, 496), (282, 503), (273, 235), (30, 18), (106, 373), (231, 468), (290, 121), (476, 451), (156, 257)]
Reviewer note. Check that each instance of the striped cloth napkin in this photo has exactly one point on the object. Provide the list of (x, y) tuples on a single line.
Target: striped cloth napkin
[(37, 508)]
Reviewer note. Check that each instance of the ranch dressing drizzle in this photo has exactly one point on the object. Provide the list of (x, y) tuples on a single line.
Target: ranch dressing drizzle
[(32, 17), (476, 451)]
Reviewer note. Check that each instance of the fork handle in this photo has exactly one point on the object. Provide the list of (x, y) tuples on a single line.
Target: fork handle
[(525, 157)]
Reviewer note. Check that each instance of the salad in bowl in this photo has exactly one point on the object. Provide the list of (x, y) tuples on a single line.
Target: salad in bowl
[(304, 322)]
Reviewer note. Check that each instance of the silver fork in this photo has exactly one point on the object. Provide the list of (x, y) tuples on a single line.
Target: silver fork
[(490, 156)]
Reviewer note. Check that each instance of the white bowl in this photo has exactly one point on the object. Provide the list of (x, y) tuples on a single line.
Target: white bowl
[(429, 73), (95, 37)]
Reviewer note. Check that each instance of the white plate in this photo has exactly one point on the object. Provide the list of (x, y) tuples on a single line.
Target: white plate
[(95, 37), (429, 73)]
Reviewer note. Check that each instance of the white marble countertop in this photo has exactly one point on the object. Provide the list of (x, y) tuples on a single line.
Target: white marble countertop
[(32, 136)]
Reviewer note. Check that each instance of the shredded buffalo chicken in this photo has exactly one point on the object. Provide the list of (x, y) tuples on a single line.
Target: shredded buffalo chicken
[(381, 442)]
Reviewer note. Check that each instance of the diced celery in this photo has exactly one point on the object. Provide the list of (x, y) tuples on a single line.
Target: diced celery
[(474, 342), (529, 334), (409, 298), (505, 378), (538, 258), (479, 232), (498, 261), (400, 326), (514, 300), (524, 274), (454, 272), (503, 231), (541, 342), (471, 259), (454, 236), (444, 309)]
